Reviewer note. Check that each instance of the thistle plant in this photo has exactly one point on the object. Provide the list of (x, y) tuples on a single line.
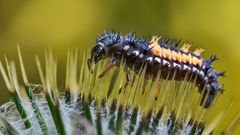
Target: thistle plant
[(92, 105)]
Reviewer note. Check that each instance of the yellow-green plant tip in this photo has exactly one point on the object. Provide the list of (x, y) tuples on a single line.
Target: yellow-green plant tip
[(5, 77), (11, 90), (40, 71), (233, 125), (24, 75)]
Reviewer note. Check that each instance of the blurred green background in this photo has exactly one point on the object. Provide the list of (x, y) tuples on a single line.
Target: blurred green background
[(36, 25)]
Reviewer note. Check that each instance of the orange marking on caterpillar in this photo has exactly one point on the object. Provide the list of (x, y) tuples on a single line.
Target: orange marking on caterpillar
[(164, 53), (188, 58), (169, 54), (176, 56), (196, 61), (156, 49), (184, 58), (186, 47), (172, 55), (198, 51)]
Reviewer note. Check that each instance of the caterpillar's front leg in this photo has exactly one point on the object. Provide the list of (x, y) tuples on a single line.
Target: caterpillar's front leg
[(157, 91), (107, 68), (128, 76)]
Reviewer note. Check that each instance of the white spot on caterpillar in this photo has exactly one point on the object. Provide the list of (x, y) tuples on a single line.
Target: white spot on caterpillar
[(126, 47), (101, 44), (149, 59), (166, 63), (141, 55), (203, 66), (201, 73), (157, 60), (205, 78), (136, 53), (185, 67), (195, 70), (175, 65)]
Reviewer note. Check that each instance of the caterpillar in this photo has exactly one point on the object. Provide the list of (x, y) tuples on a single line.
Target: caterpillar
[(159, 56)]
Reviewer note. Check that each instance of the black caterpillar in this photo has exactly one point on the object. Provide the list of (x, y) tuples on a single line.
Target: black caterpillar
[(159, 56)]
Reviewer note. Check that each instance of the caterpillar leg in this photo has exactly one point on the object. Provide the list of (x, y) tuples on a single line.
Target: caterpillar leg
[(144, 86), (107, 68), (207, 99), (128, 76), (157, 91), (89, 63)]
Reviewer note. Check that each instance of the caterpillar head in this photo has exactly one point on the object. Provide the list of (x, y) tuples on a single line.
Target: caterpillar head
[(101, 49), (98, 52)]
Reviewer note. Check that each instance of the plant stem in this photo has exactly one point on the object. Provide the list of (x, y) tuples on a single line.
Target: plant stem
[(56, 114), (21, 110), (36, 110)]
